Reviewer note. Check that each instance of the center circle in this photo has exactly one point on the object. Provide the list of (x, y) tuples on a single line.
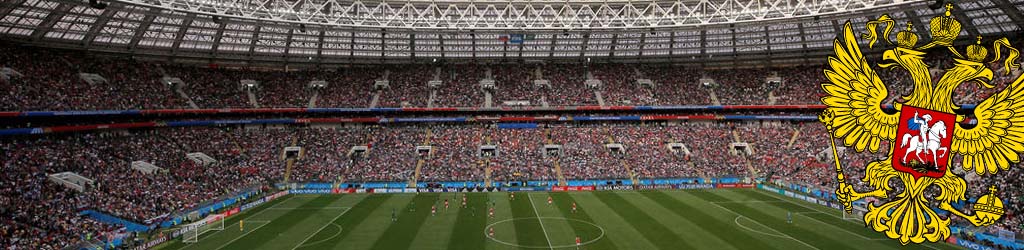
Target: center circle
[(584, 241)]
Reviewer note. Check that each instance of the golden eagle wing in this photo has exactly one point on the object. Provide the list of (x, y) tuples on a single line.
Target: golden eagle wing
[(854, 93), (998, 138)]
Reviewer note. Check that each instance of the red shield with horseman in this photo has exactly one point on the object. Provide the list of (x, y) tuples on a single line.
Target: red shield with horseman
[(922, 143)]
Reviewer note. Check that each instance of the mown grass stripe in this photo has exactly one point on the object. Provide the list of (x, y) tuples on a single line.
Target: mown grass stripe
[(528, 231), (648, 226), (564, 202), (821, 216), (811, 237), (353, 217), (467, 234), (737, 239), (400, 234), (280, 225)]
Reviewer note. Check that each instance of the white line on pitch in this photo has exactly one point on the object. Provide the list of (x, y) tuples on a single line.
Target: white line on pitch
[(321, 229), (307, 208), (823, 222), (529, 197), (765, 226), (251, 216), (243, 235)]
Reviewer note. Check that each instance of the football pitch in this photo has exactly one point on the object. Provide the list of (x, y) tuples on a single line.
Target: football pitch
[(657, 219)]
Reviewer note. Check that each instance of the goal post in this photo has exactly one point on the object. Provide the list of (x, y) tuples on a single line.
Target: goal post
[(858, 213), (194, 230)]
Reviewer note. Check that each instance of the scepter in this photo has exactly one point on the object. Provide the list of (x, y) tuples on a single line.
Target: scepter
[(826, 118)]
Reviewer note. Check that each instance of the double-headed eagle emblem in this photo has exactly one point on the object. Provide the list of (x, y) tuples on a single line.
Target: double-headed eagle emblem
[(925, 131)]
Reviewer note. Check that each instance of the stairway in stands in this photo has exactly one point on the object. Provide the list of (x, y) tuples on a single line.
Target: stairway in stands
[(253, 100), (313, 99), (486, 164), (714, 97), (558, 165), (624, 162), (792, 140), (421, 161), (290, 162), (746, 159)]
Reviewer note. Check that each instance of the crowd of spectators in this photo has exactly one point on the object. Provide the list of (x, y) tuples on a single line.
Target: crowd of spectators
[(212, 87), (709, 149), (285, 89), (676, 85), (41, 214), (620, 87), (461, 86), (391, 155), (647, 153), (568, 86), (349, 87), (800, 85), (584, 154), (515, 83), (519, 155), (454, 154), (407, 86), (50, 81), (748, 87), (326, 153)]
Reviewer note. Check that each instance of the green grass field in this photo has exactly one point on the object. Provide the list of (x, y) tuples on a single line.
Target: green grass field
[(669, 219)]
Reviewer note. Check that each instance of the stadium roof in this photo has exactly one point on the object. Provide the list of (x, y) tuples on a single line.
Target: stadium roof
[(334, 31)]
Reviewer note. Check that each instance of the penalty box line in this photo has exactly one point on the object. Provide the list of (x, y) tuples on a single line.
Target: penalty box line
[(765, 226), (262, 223), (330, 222), (816, 210), (250, 216)]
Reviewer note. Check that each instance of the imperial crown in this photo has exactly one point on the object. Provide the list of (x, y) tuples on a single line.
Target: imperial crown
[(907, 38), (944, 29), (976, 52)]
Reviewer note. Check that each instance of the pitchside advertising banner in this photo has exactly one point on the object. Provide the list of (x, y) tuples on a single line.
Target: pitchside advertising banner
[(695, 186), (572, 188), (518, 189), (607, 188)]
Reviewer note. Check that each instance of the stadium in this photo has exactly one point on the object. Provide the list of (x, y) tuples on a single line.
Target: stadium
[(488, 124)]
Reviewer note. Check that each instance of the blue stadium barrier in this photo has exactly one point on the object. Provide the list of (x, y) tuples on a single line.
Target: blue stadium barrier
[(517, 125)]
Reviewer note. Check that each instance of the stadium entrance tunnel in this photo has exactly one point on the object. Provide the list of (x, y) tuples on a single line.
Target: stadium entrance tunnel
[(504, 237)]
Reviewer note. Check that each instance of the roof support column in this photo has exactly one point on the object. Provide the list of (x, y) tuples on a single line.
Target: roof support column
[(52, 19), (6, 8), (143, 27), (98, 26), (181, 34)]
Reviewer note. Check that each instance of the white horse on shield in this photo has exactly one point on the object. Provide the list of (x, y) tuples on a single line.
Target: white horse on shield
[(930, 142)]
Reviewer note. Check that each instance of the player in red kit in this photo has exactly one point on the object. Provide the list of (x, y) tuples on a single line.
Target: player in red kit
[(491, 213), (578, 243), (433, 210), (574, 207), (445, 204), (549, 200)]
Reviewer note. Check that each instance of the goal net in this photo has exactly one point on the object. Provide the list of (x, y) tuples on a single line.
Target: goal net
[(210, 223)]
